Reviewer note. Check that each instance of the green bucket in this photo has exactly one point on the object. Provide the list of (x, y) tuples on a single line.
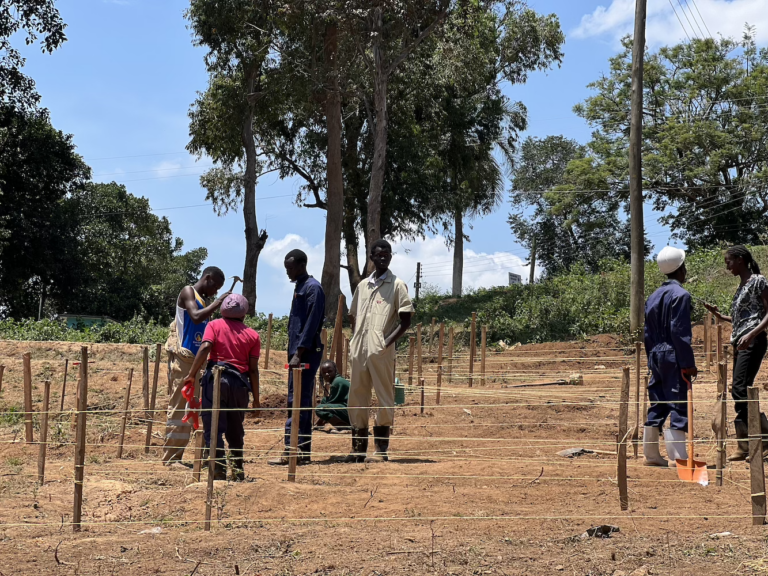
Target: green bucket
[(399, 393)]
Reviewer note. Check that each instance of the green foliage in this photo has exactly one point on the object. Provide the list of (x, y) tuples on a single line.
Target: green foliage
[(577, 304), (32, 18)]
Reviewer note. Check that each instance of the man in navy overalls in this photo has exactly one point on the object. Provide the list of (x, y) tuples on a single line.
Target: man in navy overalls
[(668, 346), (304, 347)]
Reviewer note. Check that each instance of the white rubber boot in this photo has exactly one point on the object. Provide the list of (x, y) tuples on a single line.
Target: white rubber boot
[(675, 441), (651, 447)]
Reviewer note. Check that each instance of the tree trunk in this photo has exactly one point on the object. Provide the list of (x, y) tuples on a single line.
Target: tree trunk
[(458, 253), (380, 81), (254, 241), (331, 279), (353, 127), (351, 245)]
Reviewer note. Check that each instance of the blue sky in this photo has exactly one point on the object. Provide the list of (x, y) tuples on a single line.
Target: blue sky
[(123, 83)]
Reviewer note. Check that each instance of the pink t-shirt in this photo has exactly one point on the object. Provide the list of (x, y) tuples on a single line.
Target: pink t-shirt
[(233, 342)]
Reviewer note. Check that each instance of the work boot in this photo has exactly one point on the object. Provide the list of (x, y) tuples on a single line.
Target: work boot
[(381, 442), (742, 446), (220, 465), (651, 447), (284, 459), (675, 443), (359, 446), (237, 465)]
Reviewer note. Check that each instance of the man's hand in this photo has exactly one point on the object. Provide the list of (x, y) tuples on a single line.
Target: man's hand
[(296, 360), (692, 372), (220, 299), (189, 380), (256, 404)]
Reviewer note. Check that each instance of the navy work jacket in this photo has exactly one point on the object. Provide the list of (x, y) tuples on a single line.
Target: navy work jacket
[(307, 314), (668, 323)]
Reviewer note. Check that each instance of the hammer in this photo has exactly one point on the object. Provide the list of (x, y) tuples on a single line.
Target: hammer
[(236, 279)]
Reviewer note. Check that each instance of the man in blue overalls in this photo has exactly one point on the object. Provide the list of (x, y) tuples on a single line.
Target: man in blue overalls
[(304, 347), (668, 346)]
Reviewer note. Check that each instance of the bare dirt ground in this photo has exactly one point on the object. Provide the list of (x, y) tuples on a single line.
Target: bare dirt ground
[(474, 486)]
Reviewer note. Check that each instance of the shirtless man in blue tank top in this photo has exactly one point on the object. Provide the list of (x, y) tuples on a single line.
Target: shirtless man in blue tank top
[(184, 341)]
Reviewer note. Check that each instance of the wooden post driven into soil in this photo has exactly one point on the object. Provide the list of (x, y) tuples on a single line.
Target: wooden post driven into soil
[(636, 431), (43, 433), (346, 357), (718, 342), (419, 365), (125, 414), (622, 447), (722, 434), (483, 337), (81, 407), (338, 334), (411, 346), (214, 445), (431, 336), (269, 343), (421, 384), (472, 347), (450, 354), (705, 345), (293, 453), (199, 440), (756, 470), (145, 379), (153, 397), (440, 336), (64, 384), (645, 398), (29, 429), (2, 371)]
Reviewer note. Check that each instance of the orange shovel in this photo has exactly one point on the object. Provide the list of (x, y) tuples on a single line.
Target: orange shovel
[(691, 470)]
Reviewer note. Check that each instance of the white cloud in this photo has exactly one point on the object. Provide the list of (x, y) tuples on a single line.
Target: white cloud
[(481, 269), (721, 17)]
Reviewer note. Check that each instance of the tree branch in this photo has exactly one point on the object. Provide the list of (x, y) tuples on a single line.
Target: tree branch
[(413, 45)]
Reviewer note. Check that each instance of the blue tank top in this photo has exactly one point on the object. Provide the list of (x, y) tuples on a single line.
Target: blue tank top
[(190, 334)]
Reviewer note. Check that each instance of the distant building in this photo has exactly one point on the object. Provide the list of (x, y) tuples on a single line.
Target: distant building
[(75, 321), (515, 279)]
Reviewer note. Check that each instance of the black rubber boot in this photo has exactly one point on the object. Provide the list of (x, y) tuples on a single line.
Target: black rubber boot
[(742, 449), (381, 442), (237, 464), (359, 446)]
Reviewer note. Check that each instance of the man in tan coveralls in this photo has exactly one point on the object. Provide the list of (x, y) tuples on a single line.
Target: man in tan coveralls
[(381, 313)]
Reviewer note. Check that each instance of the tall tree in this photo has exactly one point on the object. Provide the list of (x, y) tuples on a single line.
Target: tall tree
[(221, 119), (36, 19), (705, 136)]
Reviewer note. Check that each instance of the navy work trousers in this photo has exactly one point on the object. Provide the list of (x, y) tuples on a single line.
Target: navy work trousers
[(746, 365), (667, 391), (233, 390), (307, 390)]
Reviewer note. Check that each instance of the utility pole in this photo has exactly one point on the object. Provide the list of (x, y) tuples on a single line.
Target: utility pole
[(637, 291), (532, 277), (417, 284)]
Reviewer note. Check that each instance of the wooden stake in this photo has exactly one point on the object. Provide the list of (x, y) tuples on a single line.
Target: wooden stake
[(145, 379), (346, 357), (636, 431), (43, 434), (214, 444), (197, 465), (431, 336), (645, 399), (27, 358), (718, 342), (722, 391), (64, 384), (2, 370), (756, 471), (708, 339), (419, 365), (472, 347), (421, 384), (622, 447), (81, 407), (440, 336), (338, 334), (293, 452), (483, 336), (125, 413), (151, 421), (411, 346), (450, 354), (269, 343)]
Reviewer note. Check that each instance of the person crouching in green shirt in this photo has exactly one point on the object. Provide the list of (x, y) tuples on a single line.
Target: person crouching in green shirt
[(332, 409)]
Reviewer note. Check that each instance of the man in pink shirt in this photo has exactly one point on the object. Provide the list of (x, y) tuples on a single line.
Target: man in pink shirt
[(229, 343)]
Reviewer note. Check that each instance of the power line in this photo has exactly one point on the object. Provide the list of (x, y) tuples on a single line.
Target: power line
[(693, 31), (694, 19), (702, 18), (678, 19), (99, 175), (136, 156)]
